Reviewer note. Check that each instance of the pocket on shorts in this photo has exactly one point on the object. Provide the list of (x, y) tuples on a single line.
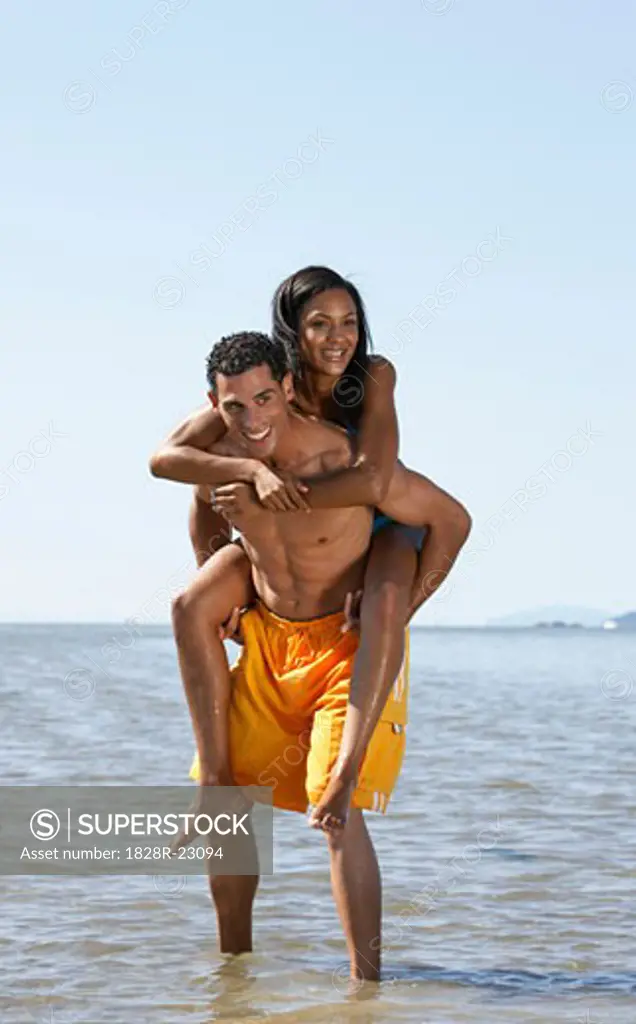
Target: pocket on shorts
[(380, 769)]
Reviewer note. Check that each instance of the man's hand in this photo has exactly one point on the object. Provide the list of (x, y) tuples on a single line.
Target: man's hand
[(231, 628), (234, 501), (206, 802), (353, 601), (281, 492)]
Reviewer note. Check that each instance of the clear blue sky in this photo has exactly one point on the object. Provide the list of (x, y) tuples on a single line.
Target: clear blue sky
[(130, 138)]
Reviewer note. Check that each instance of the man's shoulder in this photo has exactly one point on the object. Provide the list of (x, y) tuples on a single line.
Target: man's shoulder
[(325, 441), (326, 429), (324, 434)]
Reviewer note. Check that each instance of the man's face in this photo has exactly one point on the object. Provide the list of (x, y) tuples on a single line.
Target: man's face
[(254, 408)]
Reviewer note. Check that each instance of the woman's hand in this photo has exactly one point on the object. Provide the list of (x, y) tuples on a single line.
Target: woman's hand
[(279, 492)]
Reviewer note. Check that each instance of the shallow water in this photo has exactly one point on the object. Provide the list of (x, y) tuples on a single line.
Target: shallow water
[(508, 853)]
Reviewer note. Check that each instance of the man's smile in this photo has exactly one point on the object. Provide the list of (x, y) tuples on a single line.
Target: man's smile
[(256, 436)]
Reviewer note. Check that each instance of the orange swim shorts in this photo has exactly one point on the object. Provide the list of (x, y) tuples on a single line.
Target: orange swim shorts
[(290, 688)]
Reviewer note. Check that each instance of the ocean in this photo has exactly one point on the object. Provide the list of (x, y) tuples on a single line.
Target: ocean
[(507, 854)]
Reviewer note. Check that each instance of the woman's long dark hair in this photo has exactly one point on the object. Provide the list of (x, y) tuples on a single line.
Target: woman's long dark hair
[(289, 299)]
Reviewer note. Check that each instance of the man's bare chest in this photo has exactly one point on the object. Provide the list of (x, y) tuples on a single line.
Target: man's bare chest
[(301, 534)]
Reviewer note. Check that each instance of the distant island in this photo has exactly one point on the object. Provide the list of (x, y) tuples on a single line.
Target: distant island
[(531, 617), (558, 624), (566, 617)]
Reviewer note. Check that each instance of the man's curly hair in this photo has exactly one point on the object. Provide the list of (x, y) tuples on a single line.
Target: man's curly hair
[(240, 352)]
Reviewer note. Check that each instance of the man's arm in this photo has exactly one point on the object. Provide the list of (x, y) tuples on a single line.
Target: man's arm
[(209, 531)]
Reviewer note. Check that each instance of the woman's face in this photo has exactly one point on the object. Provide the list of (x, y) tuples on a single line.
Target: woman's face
[(328, 332)]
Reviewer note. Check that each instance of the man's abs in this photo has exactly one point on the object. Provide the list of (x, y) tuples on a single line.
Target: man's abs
[(304, 564)]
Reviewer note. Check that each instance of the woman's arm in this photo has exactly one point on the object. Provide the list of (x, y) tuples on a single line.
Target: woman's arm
[(184, 455), (367, 481)]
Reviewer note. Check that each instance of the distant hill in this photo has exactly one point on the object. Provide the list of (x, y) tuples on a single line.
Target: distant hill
[(589, 617), (626, 621)]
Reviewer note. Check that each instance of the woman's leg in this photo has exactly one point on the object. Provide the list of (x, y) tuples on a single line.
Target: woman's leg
[(223, 584), (383, 615), (357, 891), (415, 500)]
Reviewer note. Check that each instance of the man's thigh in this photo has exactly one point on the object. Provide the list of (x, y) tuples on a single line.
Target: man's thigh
[(265, 752), (268, 743)]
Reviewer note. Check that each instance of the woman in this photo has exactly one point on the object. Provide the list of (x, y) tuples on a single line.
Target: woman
[(320, 318)]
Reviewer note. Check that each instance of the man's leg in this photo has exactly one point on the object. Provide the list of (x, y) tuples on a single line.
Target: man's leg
[(233, 897), (357, 890), (222, 584)]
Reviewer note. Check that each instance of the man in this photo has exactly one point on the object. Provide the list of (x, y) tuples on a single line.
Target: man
[(278, 719), (186, 457)]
